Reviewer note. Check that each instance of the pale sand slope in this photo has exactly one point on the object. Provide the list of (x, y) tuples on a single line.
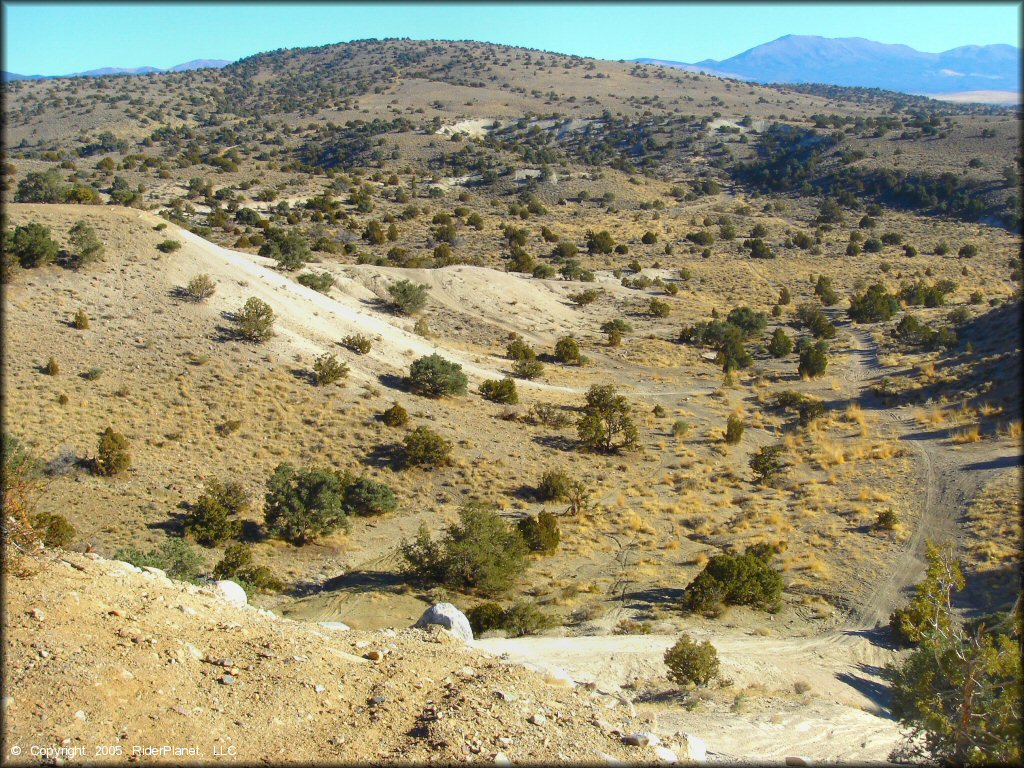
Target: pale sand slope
[(835, 722)]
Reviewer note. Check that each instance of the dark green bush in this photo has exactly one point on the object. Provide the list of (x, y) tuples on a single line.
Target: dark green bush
[(746, 579), (86, 247), (606, 423), (734, 427), (567, 351), (425, 448), (813, 360), (541, 533), (303, 504), (767, 462), (175, 557), (690, 662), (54, 529), (528, 369), (780, 344), (214, 516), (503, 391), (321, 282), (518, 620), (168, 246), (366, 497), (874, 305), (553, 486), (32, 245), (395, 416), (113, 455), (433, 376), (407, 297)]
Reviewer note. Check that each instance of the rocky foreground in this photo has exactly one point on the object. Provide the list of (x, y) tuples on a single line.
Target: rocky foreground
[(106, 662)]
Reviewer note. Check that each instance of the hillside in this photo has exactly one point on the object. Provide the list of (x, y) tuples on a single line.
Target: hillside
[(375, 326)]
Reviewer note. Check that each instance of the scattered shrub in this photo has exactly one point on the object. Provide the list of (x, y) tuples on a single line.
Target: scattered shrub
[(746, 579), (690, 662), (567, 351), (321, 282), (55, 530), (433, 376), (503, 391), (813, 360), (540, 533), (767, 462), (366, 497), (200, 288), (426, 448), (113, 455), (874, 305), (357, 343), (255, 321), (780, 344), (214, 516), (528, 369), (80, 321), (518, 620), (407, 297), (734, 427), (327, 369), (606, 423), (168, 246), (554, 486), (395, 416), (175, 557), (302, 504), (86, 247)]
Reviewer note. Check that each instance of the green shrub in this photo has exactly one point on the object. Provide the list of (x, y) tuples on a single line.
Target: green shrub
[(690, 662), (200, 288), (395, 416), (780, 344), (540, 533), (214, 516), (479, 552), (659, 308), (55, 529), (327, 369), (80, 321), (113, 455), (606, 423), (554, 486), (407, 297), (584, 297), (734, 427), (52, 368), (550, 415), (825, 292), (366, 497), (237, 557), (874, 305), (813, 360), (321, 282), (433, 376), (92, 374), (517, 349), (567, 351), (175, 557), (503, 391), (32, 245), (168, 246), (747, 320), (767, 462), (887, 520), (528, 369), (86, 248), (303, 504), (425, 448), (255, 321), (237, 565), (357, 343), (680, 427), (968, 251), (746, 579)]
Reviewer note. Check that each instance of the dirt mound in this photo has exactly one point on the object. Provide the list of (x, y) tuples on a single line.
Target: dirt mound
[(102, 656)]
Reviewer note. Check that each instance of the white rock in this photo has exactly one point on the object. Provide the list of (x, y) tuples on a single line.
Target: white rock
[(449, 617), (154, 571), (230, 591), (80, 714), (8, 701), (127, 567), (502, 759), (537, 719), (608, 759), (558, 676), (334, 625), (641, 739), (665, 755), (692, 749)]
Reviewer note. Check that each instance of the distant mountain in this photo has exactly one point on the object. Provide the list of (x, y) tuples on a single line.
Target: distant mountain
[(187, 66), (854, 61)]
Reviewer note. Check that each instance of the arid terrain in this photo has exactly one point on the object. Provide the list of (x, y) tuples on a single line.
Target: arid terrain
[(487, 172)]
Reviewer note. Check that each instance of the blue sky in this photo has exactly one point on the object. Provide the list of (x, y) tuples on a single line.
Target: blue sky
[(58, 38)]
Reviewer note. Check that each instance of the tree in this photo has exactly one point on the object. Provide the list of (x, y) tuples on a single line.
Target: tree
[(690, 662), (606, 424), (614, 329), (302, 504), (780, 344), (113, 454), (255, 321), (554, 485), (567, 351), (433, 376), (425, 448), (600, 242), (367, 497), (214, 516), (874, 305), (813, 360), (732, 355), (408, 297), (825, 292), (958, 693), (86, 247), (32, 245), (41, 187), (747, 320), (479, 552), (746, 579)]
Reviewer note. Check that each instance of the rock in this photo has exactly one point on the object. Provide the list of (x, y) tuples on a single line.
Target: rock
[(194, 652), (507, 695), (80, 715), (560, 677), (608, 759), (228, 679), (154, 571), (8, 701), (641, 739), (375, 655), (449, 617), (38, 614), (692, 749), (537, 719), (665, 755), (806, 762), (466, 672), (604, 725), (376, 701), (230, 591), (502, 759), (337, 625)]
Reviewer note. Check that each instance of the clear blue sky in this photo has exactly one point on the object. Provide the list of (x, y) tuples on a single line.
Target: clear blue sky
[(55, 38)]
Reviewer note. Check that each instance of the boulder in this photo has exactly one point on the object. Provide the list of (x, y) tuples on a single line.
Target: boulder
[(558, 676), (641, 739), (230, 591), (665, 756), (336, 625), (449, 617)]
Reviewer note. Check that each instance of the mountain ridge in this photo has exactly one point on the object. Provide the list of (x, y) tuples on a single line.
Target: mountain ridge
[(144, 70)]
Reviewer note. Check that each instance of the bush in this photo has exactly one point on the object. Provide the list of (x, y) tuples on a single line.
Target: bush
[(887, 520), (236, 557), (734, 429), (425, 448), (168, 246), (767, 462), (175, 557), (303, 504), (518, 349), (433, 376), (968, 251), (503, 391), (366, 497), (321, 282), (780, 344), (32, 245), (518, 620), (113, 455), (237, 565), (213, 518), (554, 486), (52, 367), (407, 297), (606, 423), (747, 320), (567, 351), (80, 321), (690, 662), (479, 552), (55, 530), (550, 416), (825, 292), (357, 343), (874, 305), (327, 369), (813, 360), (540, 533), (528, 369), (200, 288), (395, 416), (585, 297), (255, 321), (659, 308), (746, 579), (680, 427), (86, 248)]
